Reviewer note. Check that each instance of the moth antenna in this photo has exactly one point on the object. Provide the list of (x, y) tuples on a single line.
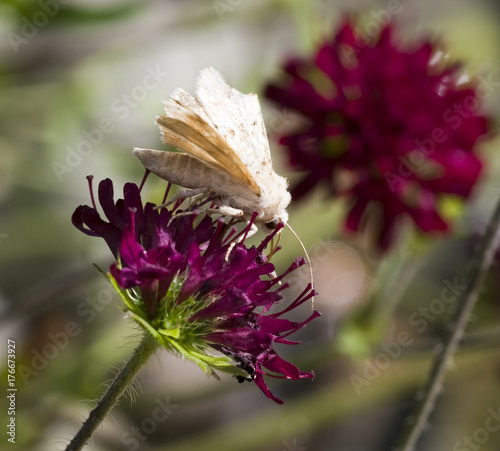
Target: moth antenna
[(307, 258)]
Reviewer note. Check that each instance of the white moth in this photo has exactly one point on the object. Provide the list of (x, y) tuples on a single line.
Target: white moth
[(224, 151)]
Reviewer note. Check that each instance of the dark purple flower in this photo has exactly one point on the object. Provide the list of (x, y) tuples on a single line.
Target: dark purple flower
[(384, 124), (194, 285)]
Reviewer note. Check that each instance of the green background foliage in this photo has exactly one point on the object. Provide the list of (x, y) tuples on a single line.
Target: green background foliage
[(77, 92)]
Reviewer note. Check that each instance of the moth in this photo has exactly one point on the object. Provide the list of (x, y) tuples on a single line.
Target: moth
[(224, 152)]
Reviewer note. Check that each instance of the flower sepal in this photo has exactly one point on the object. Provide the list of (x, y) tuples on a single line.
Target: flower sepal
[(132, 304), (208, 363), (171, 338)]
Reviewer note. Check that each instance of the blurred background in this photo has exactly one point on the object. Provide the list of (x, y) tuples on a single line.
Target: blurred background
[(80, 84)]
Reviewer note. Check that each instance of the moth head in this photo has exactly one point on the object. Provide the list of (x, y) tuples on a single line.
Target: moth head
[(271, 225), (274, 200)]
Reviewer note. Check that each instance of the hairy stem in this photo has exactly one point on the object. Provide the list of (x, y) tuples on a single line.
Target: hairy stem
[(114, 392), (475, 279)]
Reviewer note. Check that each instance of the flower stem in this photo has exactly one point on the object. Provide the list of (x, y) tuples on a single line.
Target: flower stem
[(476, 276), (120, 383)]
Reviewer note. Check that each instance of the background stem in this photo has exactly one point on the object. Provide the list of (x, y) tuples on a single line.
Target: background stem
[(476, 276), (120, 383)]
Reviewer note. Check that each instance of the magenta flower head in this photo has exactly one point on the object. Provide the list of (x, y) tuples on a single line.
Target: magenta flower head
[(192, 283), (385, 124)]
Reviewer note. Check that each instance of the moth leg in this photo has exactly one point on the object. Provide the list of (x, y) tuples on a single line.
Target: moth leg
[(184, 195), (176, 215), (253, 230), (235, 213), (228, 211)]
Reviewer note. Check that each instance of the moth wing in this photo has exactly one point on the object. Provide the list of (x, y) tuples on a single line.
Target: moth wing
[(192, 134), (189, 102), (238, 118), (190, 172), (185, 145)]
